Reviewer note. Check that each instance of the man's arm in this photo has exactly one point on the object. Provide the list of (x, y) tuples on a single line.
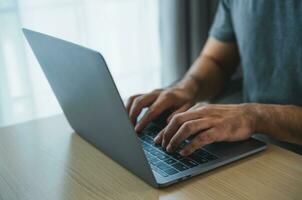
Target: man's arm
[(204, 80), (283, 122), (215, 64), (216, 123)]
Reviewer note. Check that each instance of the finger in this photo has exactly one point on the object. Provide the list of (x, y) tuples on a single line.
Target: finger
[(161, 104), (176, 122), (158, 138), (188, 129), (199, 105), (139, 103), (202, 139), (180, 110), (130, 101)]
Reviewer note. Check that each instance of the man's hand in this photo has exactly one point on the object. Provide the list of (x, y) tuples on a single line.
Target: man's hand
[(204, 80), (211, 123), (177, 98)]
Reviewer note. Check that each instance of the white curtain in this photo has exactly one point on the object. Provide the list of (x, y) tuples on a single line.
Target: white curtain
[(124, 31)]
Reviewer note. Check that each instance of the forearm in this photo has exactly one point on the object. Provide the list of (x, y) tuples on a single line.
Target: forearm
[(216, 63), (283, 122), (205, 79)]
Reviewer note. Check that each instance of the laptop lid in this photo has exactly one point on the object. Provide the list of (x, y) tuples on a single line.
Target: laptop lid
[(83, 85)]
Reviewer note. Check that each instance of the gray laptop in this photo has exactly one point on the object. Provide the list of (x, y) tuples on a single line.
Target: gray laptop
[(83, 85)]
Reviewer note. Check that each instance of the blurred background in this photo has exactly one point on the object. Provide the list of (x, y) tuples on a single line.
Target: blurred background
[(147, 44)]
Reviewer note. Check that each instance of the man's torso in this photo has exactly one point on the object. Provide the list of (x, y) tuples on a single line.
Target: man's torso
[(269, 37)]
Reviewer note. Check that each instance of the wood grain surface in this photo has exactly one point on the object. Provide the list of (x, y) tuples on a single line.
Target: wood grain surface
[(44, 159)]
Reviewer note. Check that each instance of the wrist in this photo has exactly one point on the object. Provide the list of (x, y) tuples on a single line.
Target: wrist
[(191, 84), (262, 117), (252, 112)]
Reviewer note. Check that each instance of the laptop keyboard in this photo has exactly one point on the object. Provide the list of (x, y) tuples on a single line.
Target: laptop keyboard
[(167, 164)]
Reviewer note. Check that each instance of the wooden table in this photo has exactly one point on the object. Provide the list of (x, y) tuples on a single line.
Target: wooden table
[(44, 159)]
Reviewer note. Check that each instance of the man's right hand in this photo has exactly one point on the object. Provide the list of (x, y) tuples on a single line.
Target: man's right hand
[(176, 99)]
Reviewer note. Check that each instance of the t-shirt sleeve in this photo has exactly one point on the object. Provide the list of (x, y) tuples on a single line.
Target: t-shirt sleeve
[(222, 27)]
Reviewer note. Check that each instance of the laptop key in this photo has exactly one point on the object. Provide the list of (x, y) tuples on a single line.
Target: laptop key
[(188, 162), (149, 141), (151, 157), (144, 144), (201, 152), (170, 161), (149, 137), (154, 161), (180, 166), (162, 156), (199, 159), (143, 137), (177, 156), (148, 148), (171, 171), (160, 148), (151, 134), (157, 153), (162, 173), (162, 166), (148, 155), (211, 157), (154, 152)]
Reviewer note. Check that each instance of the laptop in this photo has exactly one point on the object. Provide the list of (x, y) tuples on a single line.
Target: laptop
[(84, 88)]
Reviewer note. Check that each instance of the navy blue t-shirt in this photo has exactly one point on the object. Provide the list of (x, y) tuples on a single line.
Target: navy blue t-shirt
[(269, 37)]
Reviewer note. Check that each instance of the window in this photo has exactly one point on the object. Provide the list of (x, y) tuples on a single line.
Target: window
[(124, 31)]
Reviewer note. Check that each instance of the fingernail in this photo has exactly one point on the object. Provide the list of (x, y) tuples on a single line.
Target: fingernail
[(169, 148), (163, 144), (156, 139), (183, 152)]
